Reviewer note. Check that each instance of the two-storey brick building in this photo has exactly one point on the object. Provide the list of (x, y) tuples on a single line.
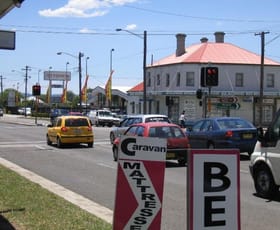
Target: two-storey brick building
[(172, 83)]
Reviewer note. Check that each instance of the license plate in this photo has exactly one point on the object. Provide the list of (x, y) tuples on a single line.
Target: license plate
[(170, 155), (247, 136), (77, 131)]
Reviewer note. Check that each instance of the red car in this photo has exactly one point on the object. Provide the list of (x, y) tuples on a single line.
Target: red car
[(177, 141)]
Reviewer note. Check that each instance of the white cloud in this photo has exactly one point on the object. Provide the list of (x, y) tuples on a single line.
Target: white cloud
[(86, 30), (84, 8), (131, 27)]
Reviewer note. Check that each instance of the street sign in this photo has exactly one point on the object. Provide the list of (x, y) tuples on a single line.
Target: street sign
[(7, 40), (139, 187), (228, 106), (213, 189), (228, 99), (57, 76)]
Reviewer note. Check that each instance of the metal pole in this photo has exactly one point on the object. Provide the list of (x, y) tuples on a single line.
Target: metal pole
[(80, 81), (86, 77), (111, 68), (25, 93), (261, 76), (144, 74)]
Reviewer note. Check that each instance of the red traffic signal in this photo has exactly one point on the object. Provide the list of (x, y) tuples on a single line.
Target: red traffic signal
[(209, 76), (36, 90)]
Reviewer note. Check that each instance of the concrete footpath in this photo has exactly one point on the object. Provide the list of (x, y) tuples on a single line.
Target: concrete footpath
[(21, 119), (76, 199)]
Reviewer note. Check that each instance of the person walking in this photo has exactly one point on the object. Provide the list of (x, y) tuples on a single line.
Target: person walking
[(182, 119)]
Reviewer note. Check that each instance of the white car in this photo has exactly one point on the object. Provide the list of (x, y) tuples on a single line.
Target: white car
[(134, 119), (21, 111), (101, 117), (265, 160)]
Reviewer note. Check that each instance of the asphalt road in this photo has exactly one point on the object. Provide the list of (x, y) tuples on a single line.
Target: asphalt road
[(92, 173)]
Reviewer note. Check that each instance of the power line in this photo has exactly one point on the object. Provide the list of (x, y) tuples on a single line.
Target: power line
[(201, 18)]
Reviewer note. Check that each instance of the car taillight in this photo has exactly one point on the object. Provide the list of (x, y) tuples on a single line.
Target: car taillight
[(229, 133), (63, 129), (89, 128)]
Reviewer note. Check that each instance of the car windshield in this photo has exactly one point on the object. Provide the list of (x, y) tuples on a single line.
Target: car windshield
[(166, 132), (233, 124), (76, 122), (160, 119), (105, 113)]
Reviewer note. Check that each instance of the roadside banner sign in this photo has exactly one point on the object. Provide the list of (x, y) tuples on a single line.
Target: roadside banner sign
[(140, 180), (213, 189)]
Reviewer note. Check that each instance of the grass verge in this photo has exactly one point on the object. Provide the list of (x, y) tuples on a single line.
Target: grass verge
[(27, 206)]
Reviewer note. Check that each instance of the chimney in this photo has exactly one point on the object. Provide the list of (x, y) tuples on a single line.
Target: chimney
[(219, 37), (180, 44), (204, 40)]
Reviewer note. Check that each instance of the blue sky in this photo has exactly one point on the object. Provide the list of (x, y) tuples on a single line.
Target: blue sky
[(45, 27)]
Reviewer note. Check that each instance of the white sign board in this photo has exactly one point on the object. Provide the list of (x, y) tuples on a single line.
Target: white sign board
[(139, 187), (57, 76), (214, 189)]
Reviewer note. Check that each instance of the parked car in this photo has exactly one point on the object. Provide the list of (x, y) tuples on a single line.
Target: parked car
[(101, 117), (265, 160), (21, 111), (1, 112), (223, 132), (70, 130), (134, 119), (177, 141)]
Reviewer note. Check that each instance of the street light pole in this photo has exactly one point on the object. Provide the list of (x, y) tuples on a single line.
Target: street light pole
[(39, 76), (144, 66), (111, 65), (86, 85), (80, 55), (80, 81), (144, 74)]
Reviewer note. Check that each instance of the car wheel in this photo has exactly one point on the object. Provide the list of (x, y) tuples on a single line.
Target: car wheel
[(264, 183), (115, 153), (112, 138), (49, 141), (58, 142), (90, 145)]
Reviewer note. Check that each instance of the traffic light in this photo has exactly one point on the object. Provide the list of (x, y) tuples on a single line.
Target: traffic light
[(209, 76), (199, 94), (36, 90)]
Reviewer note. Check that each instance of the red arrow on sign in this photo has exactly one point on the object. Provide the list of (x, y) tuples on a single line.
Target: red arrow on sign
[(228, 99)]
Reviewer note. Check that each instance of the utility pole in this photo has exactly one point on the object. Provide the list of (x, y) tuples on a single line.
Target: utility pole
[(144, 74), (1, 79), (262, 34)]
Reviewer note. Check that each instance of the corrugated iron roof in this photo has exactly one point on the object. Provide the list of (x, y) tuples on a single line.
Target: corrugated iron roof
[(216, 53), (137, 88), (211, 52)]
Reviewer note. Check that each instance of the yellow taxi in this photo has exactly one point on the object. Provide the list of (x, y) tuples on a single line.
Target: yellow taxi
[(70, 130)]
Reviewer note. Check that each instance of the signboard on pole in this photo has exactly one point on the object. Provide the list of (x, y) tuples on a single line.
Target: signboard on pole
[(214, 189), (57, 76), (140, 180), (7, 39)]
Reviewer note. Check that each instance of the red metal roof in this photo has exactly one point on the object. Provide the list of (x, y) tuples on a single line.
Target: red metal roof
[(218, 53), (137, 88), (211, 52)]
